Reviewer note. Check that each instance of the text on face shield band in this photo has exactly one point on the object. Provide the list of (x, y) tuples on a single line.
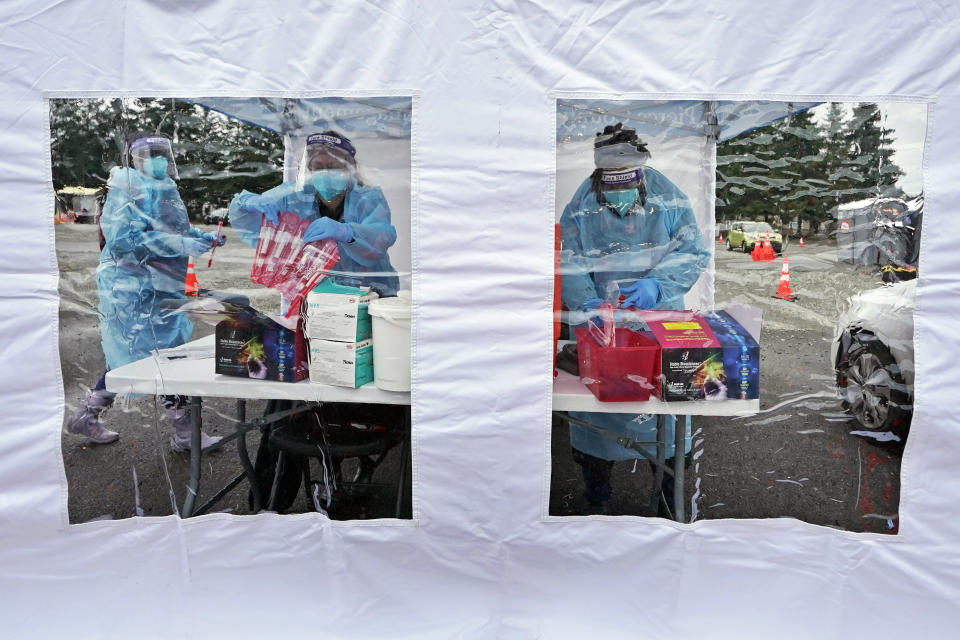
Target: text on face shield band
[(617, 178), (331, 141), (149, 142)]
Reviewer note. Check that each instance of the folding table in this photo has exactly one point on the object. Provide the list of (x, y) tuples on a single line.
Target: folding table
[(195, 378), (569, 394)]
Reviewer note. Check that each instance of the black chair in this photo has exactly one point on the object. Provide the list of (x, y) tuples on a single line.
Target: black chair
[(333, 434)]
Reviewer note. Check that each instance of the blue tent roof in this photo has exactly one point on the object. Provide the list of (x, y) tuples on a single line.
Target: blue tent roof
[(725, 119), (375, 116)]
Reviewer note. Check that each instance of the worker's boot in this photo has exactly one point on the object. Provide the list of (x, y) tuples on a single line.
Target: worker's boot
[(596, 479), (85, 421), (180, 441)]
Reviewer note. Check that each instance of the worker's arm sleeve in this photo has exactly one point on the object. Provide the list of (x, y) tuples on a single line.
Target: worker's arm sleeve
[(577, 281), (128, 231), (373, 233), (687, 256), (246, 222)]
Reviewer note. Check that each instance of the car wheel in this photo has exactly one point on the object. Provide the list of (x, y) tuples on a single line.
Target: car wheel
[(729, 245), (743, 247), (871, 387)]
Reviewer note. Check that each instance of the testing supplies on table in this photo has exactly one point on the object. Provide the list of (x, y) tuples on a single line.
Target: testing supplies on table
[(338, 329), (673, 355), (340, 313), (262, 347)]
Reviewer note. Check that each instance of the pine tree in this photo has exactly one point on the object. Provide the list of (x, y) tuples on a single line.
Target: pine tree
[(869, 165), (216, 156), (802, 146)]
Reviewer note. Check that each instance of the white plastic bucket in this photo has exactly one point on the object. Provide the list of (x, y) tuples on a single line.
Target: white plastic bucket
[(391, 342)]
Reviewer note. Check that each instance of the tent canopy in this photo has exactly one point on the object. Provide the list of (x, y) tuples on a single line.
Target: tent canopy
[(721, 120), (387, 117)]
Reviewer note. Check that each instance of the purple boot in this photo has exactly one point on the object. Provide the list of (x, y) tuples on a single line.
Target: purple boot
[(85, 421), (180, 441)]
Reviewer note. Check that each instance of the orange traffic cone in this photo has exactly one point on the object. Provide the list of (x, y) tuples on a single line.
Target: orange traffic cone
[(768, 253), (783, 291), (720, 238), (801, 242), (757, 252), (191, 285)]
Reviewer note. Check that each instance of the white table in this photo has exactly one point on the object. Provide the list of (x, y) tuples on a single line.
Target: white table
[(195, 377), (569, 394)]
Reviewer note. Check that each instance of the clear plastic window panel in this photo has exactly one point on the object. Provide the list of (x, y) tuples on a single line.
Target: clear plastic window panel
[(235, 304), (736, 278)]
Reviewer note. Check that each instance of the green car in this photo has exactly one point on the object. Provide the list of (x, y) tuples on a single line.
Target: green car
[(743, 235)]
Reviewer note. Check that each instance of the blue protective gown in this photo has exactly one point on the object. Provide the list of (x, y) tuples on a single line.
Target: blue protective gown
[(365, 209), (142, 267), (660, 240)]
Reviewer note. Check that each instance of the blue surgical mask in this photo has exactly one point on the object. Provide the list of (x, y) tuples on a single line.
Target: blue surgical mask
[(155, 167), (329, 183), (621, 200)]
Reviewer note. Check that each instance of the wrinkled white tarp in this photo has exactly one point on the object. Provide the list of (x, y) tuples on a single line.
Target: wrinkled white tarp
[(478, 561)]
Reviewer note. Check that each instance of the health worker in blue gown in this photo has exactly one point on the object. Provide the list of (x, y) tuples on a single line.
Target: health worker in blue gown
[(330, 191), (147, 242), (628, 231)]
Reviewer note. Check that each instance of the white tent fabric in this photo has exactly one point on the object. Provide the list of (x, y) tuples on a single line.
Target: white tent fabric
[(479, 560)]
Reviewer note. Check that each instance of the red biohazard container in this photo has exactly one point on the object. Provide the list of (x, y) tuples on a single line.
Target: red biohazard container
[(626, 372)]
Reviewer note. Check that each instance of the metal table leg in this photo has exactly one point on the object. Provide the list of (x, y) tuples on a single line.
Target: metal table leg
[(680, 439), (193, 486), (405, 449), (658, 465)]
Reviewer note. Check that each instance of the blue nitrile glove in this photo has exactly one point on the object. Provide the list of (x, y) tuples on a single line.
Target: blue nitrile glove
[(196, 246), (642, 294), (323, 228), (591, 304), (261, 204), (215, 239)]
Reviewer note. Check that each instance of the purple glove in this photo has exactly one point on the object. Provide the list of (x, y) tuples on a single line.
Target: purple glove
[(642, 294), (323, 228), (261, 204)]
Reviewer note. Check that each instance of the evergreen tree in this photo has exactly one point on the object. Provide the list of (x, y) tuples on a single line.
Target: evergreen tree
[(801, 170), (216, 156), (869, 165), (802, 146)]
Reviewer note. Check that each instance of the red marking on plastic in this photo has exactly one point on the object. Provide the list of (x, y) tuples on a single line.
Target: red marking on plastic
[(887, 495)]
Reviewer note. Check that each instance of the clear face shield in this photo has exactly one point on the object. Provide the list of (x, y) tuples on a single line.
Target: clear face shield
[(622, 189), (327, 165), (153, 157)]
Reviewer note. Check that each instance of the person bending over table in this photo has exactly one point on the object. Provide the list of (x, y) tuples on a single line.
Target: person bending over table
[(627, 225)]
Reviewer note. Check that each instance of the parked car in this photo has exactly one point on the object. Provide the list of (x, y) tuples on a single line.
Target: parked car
[(873, 358), (215, 216), (85, 216), (744, 234)]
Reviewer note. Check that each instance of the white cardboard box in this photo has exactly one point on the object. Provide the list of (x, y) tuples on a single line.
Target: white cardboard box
[(343, 364), (342, 317)]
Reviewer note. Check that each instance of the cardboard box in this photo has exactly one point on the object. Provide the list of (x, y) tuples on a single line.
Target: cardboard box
[(741, 355), (691, 356), (339, 313), (261, 347), (343, 364)]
